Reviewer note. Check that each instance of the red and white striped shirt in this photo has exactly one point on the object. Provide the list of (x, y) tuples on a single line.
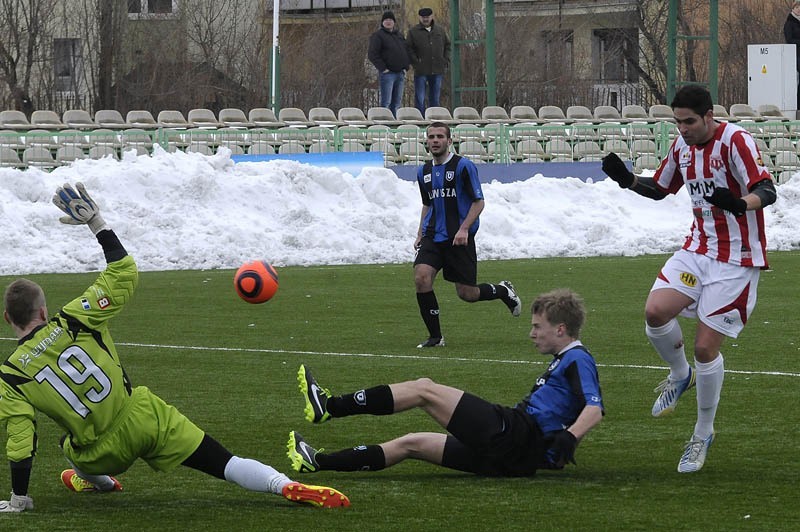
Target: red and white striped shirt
[(730, 160)]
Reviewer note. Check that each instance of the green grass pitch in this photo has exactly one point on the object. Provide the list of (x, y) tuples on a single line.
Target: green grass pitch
[(231, 368)]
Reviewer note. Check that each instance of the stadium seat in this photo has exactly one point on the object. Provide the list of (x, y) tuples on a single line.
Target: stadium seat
[(38, 157), (67, 154), (291, 146), (136, 136), (771, 112), (742, 111), (141, 119), (41, 137), (587, 150), (261, 147), (317, 134), (462, 132), (473, 150), (411, 115), (353, 146), (634, 112), (355, 133), (382, 115), (524, 114), (236, 149), (494, 114), (9, 158), (786, 160), (387, 148), (109, 119), (321, 146), (439, 114), (233, 117), (552, 113), (558, 147), (642, 147), (379, 132), (173, 119), (286, 133), (199, 147), (264, 117), (578, 113), (294, 116), (618, 146), (778, 144), (467, 115), (202, 118), (73, 137), (528, 148), (104, 136), (353, 116), (102, 150), (12, 139), (410, 132), (720, 113), (78, 119), (607, 113), (646, 162), (501, 153), (324, 116), (45, 119), (412, 152), (785, 176), (15, 120), (661, 112)]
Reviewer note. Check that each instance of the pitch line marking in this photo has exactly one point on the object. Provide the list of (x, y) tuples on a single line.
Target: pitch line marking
[(415, 357)]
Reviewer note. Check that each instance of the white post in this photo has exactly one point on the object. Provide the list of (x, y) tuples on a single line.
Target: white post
[(276, 9)]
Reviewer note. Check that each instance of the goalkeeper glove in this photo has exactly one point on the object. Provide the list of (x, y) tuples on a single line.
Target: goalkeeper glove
[(79, 207), (18, 503), (724, 199), (616, 170), (564, 444)]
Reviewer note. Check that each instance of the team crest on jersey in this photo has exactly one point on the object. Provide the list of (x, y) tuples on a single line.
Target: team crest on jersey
[(686, 159), (103, 302), (554, 364), (449, 175), (426, 178), (688, 279), (715, 163), (85, 304)]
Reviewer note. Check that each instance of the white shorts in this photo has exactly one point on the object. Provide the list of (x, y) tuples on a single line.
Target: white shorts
[(724, 294)]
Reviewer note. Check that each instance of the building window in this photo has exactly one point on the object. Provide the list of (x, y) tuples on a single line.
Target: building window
[(614, 55), (67, 63), (558, 56), (148, 8)]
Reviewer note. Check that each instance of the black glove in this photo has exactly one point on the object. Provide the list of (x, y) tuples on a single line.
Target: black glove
[(724, 199), (616, 170), (564, 444)]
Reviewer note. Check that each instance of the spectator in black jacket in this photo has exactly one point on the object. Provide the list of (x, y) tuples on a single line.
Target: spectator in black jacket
[(430, 56), (388, 51), (791, 32)]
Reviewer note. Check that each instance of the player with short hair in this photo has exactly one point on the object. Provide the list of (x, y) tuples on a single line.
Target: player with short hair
[(452, 201), (67, 368), (541, 432), (714, 277)]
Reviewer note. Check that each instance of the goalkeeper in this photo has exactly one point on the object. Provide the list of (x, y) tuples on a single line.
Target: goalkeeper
[(541, 432), (67, 367)]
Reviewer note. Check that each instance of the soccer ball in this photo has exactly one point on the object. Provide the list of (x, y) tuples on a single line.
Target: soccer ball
[(256, 281)]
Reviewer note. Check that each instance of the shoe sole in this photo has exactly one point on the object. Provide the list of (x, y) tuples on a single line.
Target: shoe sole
[(319, 496)]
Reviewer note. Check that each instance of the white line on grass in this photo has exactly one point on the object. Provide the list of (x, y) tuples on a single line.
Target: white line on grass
[(412, 357)]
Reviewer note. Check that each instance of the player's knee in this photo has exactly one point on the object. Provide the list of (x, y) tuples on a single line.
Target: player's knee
[(411, 445), (655, 315)]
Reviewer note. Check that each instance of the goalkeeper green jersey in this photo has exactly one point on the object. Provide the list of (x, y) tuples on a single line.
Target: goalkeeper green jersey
[(68, 368)]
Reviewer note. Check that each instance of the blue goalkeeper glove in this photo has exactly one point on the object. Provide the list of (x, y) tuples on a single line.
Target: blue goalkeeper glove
[(79, 207)]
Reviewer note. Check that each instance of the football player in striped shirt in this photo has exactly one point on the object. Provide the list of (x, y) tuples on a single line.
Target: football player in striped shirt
[(714, 277)]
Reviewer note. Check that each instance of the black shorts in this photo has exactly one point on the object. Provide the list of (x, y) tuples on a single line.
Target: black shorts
[(492, 440), (459, 263)]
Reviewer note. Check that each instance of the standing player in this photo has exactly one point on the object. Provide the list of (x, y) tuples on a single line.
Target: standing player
[(714, 277), (452, 200), (541, 432), (67, 367)]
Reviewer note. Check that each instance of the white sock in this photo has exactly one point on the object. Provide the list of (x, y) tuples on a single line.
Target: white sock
[(102, 482), (668, 341), (255, 476), (709, 385)]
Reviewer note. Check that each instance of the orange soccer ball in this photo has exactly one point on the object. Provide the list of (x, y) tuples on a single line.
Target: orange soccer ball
[(256, 281)]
